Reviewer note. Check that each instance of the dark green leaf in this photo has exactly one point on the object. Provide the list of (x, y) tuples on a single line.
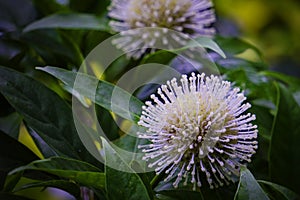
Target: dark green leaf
[(248, 188), (284, 151), (108, 124), (50, 117), (162, 57), (233, 46), (11, 124), (67, 186), (69, 21), (103, 93), (127, 142), (264, 119), (91, 6), (294, 83), (78, 171), (54, 47), (12, 154), (122, 185), (165, 57), (231, 63), (47, 7), (283, 191)]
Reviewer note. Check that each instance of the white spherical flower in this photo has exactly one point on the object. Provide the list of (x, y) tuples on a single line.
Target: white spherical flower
[(198, 131), (193, 18)]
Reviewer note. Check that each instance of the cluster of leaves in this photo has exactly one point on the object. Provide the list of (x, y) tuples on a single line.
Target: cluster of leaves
[(40, 147)]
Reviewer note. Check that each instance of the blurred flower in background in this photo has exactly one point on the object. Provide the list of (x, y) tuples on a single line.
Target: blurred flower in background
[(193, 18)]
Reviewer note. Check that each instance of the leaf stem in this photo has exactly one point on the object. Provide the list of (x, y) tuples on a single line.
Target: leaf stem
[(155, 180)]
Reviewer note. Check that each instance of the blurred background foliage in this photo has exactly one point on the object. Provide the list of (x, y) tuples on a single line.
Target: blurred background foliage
[(271, 25)]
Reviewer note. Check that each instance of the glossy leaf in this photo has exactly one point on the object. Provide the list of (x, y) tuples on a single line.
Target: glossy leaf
[(284, 192), (284, 150), (78, 171), (248, 188), (102, 94), (210, 44), (119, 184), (53, 123), (69, 21)]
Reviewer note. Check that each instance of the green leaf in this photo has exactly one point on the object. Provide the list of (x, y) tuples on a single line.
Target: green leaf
[(67, 186), (108, 124), (248, 188), (69, 21), (233, 46), (161, 56), (103, 93), (264, 120), (47, 7), (284, 192), (91, 6), (208, 43), (12, 154), (292, 82), (54, 47), (202, 42), (229, 64), (45, 112), (165, 57), (127, 142), (11, 124), (284, 150), (122, 185), (78, 171)]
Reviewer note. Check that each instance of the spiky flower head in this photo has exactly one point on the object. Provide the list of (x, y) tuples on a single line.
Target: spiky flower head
[(193, 18), (198, 131)]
